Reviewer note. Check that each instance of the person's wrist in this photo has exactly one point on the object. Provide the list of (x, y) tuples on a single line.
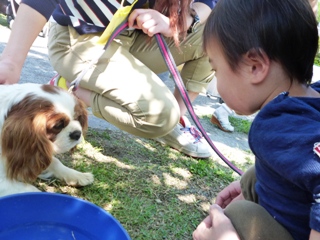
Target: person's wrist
[(9, 71), (11, 61), (10, 64)]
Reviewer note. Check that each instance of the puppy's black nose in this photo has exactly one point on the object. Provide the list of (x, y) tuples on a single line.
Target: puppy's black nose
[(75, 135)]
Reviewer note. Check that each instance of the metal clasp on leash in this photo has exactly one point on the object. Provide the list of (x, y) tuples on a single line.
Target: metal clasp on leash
[(72, 87)]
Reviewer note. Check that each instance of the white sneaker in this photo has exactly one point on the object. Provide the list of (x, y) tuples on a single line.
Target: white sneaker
[(187, 139), (220, 117)]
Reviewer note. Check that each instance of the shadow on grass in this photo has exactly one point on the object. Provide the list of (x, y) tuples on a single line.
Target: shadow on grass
[(154, 191)]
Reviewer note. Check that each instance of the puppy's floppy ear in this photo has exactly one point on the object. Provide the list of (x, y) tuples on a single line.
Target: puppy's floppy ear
[(81, 114), (25, 144)]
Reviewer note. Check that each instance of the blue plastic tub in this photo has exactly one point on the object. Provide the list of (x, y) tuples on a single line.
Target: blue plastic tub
[(53, 216)]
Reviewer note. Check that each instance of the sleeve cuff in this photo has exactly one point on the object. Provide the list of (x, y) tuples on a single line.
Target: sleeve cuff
[(43, 7)]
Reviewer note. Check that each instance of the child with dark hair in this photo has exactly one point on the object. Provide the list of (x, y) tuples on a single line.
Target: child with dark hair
[(263, 53)]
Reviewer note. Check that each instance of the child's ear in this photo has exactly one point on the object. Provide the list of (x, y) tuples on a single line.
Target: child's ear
[(258, 63)]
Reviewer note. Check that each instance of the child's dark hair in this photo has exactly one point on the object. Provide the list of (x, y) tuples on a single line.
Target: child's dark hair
[(286, 30)]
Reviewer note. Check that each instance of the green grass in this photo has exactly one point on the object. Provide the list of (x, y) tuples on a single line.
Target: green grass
[(3, 20), (317, 58), (153, 190), (240, 125)]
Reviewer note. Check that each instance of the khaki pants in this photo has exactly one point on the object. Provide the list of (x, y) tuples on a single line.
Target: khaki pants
[(250, 220), (125, 88)]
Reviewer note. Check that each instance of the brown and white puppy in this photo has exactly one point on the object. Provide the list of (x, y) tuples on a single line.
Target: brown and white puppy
[(36, 122)]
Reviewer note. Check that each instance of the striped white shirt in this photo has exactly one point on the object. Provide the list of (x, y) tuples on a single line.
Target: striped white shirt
[(89, 16)]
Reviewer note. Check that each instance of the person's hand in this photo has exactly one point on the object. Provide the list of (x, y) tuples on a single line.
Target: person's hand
[(9, 73), (150, 22), (216, 226), (229, 194)]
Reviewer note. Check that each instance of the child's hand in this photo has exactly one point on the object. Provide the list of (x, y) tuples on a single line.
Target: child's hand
[(231, 193), (150, 22), (216, 226)]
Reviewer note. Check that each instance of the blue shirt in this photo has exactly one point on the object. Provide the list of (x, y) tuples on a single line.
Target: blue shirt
[(282, 138)]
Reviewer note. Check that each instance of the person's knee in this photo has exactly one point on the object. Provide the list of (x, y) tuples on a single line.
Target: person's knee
[(248, 181), (245, 217), (252, 221), (147, 119), (160, 124)]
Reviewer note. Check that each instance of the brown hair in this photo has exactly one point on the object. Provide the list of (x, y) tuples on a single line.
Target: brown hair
[(177, 11)]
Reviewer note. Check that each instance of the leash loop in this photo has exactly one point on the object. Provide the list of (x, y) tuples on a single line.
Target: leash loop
[(72, 87)]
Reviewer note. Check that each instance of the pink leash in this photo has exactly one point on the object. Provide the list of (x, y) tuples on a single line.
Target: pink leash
[(179, 84), (183, 92)]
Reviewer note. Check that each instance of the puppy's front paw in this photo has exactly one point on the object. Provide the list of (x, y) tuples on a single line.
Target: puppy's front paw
[(80, 179)]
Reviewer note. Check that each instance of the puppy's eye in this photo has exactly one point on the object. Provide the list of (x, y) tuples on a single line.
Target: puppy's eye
[(59, 125)]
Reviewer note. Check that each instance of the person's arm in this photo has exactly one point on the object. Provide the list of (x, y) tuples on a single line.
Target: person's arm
[(26, 27), (152, 22), (202, 9), (314, 235)]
